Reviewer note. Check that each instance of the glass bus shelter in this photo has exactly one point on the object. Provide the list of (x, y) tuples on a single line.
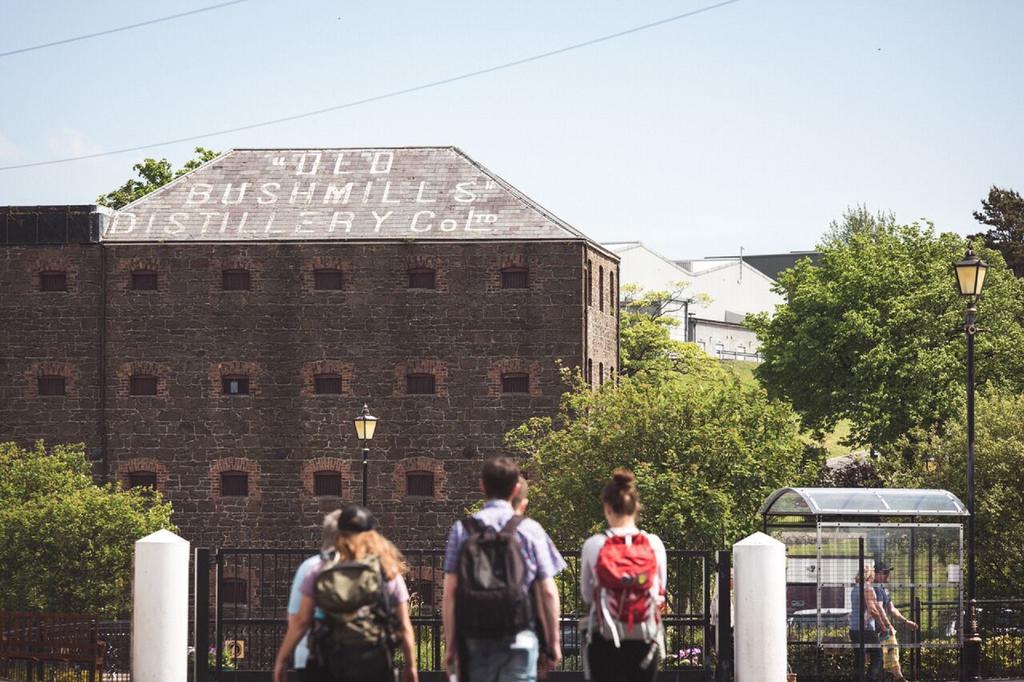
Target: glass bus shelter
[(830, 532)]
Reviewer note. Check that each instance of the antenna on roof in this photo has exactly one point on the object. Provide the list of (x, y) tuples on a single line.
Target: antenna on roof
[(741, 266)]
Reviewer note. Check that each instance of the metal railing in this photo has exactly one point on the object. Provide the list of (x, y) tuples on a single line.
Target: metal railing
[(247, 595)]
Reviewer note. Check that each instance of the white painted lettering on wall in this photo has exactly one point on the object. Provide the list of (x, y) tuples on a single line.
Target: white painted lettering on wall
[(306, 194)]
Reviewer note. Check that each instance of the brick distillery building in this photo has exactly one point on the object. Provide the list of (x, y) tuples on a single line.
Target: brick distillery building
[(216, 338)]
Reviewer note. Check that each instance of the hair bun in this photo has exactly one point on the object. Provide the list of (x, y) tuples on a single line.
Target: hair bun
[(624, 479)]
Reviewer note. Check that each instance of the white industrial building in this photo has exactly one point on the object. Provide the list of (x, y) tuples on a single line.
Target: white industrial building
[(719, 293)]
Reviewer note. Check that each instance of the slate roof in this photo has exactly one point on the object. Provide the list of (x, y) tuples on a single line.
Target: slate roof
[(401, 193)]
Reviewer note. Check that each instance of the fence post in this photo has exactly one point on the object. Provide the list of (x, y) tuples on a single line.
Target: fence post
[(201, 664), (723, 637), (861, 662), (160, 609), (760, 609)]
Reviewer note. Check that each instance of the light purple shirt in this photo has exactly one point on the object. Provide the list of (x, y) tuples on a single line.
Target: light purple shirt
[(540, 556)]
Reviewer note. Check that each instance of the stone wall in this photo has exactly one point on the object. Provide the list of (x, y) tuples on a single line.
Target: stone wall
[(602, 317), (280, 334)]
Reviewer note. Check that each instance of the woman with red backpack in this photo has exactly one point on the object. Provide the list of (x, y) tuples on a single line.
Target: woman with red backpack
[(622, 580)]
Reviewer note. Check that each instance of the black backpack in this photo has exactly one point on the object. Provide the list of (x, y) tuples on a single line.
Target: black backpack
[(490, 601), (357, 638)]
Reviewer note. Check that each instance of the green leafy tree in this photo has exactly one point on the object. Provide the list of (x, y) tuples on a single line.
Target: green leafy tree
[(646, 320), (858, 220), (153, 174), (867, 334), (706, 449), (66, 544), (1003, 210), (999, 483)]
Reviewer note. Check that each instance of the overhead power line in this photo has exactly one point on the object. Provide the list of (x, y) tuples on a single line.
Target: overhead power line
[(377, 98), (119, 29)]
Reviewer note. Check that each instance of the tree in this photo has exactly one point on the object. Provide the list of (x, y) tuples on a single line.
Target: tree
[(999, 483), (154, 174), (1004, 211), (867, 334), (858, 220), (646, 320), (706, 451), (66, 544)]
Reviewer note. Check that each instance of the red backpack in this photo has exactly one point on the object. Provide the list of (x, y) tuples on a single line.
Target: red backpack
[(625, 597)]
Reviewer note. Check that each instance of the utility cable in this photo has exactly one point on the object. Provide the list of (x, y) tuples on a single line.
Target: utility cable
[(119, 29), (376, 98)]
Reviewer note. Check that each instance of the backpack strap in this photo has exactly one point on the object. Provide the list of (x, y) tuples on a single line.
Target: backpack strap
[(512, 525), (472, 525)]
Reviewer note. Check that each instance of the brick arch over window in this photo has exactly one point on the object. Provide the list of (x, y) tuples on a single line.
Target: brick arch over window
[(242, 464), (438, 265), (334, 464), (52, 263), (234, 368), (513, 261), (142, 368), (127, 467), (514, 366), (422, 366), (310, 266), (333, 368), (51, 369), (126, 266), (253, 266), (410, 464)]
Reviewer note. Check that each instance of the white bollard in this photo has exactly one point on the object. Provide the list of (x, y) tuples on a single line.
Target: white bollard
[(760, 639), (160, 609)]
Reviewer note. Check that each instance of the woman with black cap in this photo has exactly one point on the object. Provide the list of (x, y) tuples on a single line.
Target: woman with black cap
[(364, 603)]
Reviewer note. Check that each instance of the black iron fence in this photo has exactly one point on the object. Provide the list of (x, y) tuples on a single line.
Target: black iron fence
[(243, 594), (1001, 622)]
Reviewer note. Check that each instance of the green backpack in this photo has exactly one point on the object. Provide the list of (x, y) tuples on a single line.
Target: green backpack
[(357, 640)]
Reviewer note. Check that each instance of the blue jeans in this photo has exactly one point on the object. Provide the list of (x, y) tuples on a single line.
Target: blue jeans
[(510, 659)]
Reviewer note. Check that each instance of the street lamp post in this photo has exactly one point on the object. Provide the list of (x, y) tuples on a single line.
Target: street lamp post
[(366, 424), (970, 277)]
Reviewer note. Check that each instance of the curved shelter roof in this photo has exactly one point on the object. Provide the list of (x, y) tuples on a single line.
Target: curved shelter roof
[(862, 502)]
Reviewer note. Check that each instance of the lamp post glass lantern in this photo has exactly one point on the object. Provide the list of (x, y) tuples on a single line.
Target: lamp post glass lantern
[(970, 278), (366, 425)]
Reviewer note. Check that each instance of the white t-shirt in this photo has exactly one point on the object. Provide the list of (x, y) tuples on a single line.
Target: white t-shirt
[(592, 547)]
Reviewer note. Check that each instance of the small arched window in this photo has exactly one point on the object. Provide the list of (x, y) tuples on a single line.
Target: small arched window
[(515, 278), (142, 384), (144, 280), (235, 280), (327, 384), (234, 484), (53, 280), (142, 479), (328, 279), (419, 484), (515, 382), (422, 278), (327, 484), (420, 384), (52, 385)]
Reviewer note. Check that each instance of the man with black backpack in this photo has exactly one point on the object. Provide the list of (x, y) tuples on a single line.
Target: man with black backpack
[(493, 560)]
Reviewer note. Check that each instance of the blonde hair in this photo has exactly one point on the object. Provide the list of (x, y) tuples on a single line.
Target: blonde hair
[(356, 546)]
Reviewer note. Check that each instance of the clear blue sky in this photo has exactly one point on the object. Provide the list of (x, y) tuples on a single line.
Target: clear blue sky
[(751, 125)]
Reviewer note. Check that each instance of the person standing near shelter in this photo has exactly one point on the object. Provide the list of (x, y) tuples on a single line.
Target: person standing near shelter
[(623, 573), (876, 623), (890, 645), (306, 669), (490, 619)]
